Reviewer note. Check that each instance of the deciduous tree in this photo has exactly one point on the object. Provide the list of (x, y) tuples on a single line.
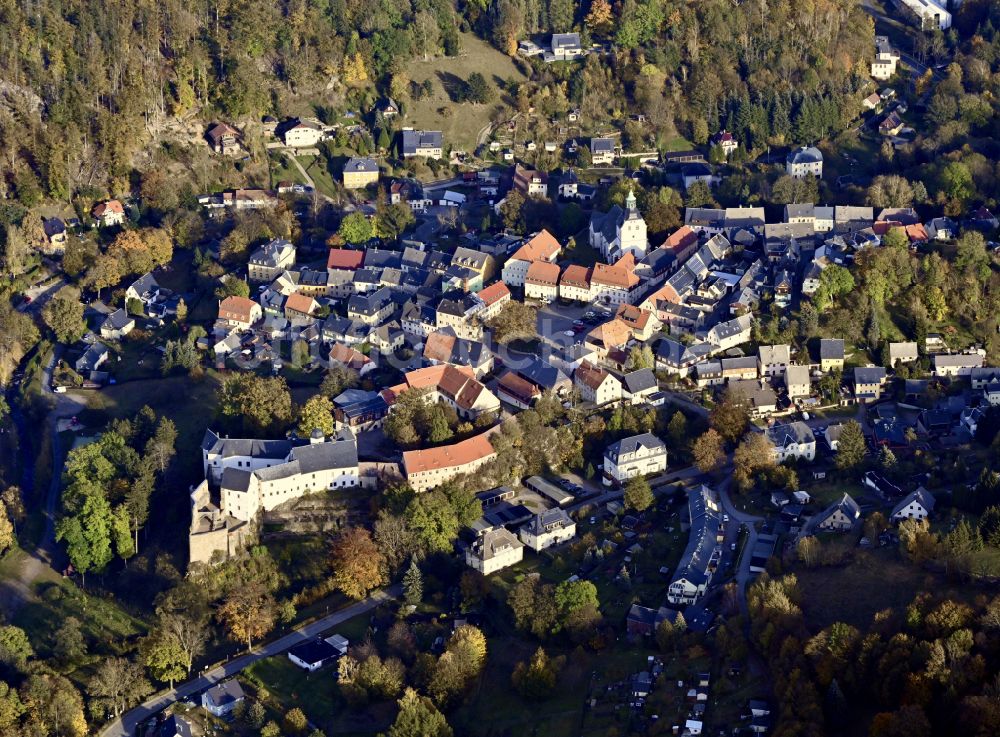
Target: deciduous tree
[(358, 565)]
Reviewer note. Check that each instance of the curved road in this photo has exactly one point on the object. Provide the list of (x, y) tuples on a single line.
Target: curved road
[(125, 726)]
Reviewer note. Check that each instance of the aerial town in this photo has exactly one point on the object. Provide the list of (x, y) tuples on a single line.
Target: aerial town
[(558, 369)]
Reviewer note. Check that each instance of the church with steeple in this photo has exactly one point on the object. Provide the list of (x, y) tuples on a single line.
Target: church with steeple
[(617, 232)]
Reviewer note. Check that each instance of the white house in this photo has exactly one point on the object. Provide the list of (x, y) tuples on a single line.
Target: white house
[(552, 527), (792, 440), (805, 161), (917, 504), (222, 698), (797, 381), (596, 384), (637, 455), (494, 550), (313, 655), (841, 515)]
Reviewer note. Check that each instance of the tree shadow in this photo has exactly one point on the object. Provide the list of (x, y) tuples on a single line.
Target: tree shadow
[(453, 85)]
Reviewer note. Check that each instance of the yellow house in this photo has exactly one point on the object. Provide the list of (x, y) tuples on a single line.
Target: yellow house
[(360, 172)]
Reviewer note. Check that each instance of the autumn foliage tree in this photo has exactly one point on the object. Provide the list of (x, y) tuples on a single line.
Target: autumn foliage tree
[(358, 565)]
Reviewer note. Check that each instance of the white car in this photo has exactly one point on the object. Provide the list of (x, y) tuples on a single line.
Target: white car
[(568, 333)]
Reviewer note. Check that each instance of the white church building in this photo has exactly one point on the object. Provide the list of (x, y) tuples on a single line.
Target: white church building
[(617, 232)]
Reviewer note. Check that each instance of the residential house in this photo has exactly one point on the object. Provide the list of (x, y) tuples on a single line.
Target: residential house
[(868, 383), (360, 172), (117, 325), (618, 232), (886, 58), (548, 528), (221, 699), (956, 364), (797, 381), (702, 553), (840, 516), (759, 396), (602, 151), (92, 359), (832, 434), (774, 359), (726, 142), (343, 355), (517, 391), (268, 261), (239, 312), (575, 283), (739, 367), (571, 188), (637, 455), (425, 469), (313, 654), (617, 283), (873, 101), (456, 386), (692, 173), (805, 161), (468, 271), (596, 384), (639, 385), (55, 235), (942, 229), (109, 213), (542, 281), (902, 353), (371, 309), (443, 346), (300, 308), (642, 324), (791, 440), (730, 333), (223, 139), (428, 144), (529, 182), (494, 298), (891, 124), (831, 354), (541, 246), (917, 504), (565, 47), (302, 132), (708, 373), (494, 550), (173, 726)]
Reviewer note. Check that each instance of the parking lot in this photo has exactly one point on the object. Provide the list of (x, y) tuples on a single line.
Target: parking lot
[(560, 326)]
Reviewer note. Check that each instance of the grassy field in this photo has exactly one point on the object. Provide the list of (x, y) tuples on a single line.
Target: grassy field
[(874, 580), (461, 127)]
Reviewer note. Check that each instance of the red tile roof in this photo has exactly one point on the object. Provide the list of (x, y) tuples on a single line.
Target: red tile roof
[(542, 246), (340, 258), (494, 293), (476, 448)]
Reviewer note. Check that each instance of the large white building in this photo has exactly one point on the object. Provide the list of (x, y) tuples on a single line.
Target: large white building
[(254, 475), (617, 232), (805, 161), (927, 14), (638, 455), (703, 551), (792, 440), (494, 550), (551, 527)]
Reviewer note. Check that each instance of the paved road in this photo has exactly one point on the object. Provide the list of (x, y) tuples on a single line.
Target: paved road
[(126, 725), (743, 574), (40, 294)]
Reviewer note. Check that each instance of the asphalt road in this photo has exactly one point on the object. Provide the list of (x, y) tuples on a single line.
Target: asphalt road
[(40, 294), (125, 726)]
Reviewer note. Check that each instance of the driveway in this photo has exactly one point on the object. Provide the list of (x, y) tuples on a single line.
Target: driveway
[(743, 574), (126, 725), (40, 294)]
